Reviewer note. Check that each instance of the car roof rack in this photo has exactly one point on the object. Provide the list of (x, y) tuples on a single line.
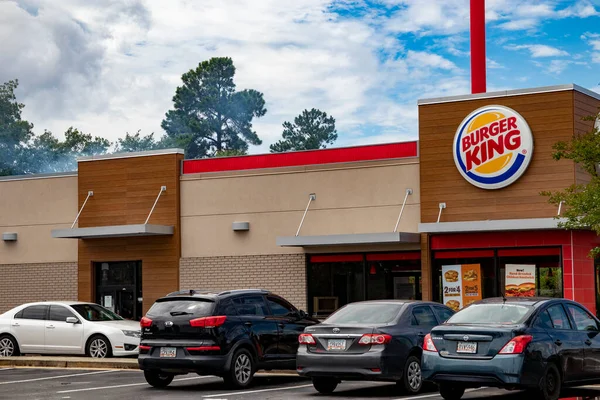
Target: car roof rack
[(191, 292), (242, 291)]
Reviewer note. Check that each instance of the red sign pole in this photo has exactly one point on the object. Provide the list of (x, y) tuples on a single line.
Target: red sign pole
[(478, 46)]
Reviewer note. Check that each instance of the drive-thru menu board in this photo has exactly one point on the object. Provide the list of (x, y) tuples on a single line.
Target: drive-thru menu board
[(461, 285), (520, 280)]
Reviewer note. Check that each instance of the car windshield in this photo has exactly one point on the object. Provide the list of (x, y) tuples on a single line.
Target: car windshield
[(365, 313), (504, 314), (175, 307), (95, 313)]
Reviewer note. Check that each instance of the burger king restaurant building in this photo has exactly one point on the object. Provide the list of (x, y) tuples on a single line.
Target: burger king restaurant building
[(454, 217)]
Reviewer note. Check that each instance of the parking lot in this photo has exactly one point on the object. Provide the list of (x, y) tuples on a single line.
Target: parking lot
[(33, 384)]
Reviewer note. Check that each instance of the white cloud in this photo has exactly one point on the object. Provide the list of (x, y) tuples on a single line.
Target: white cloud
[(582, 9), (539, 50)]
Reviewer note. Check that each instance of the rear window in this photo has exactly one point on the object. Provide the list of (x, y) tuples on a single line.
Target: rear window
[(508, 314), (366, 314), (197, 308)]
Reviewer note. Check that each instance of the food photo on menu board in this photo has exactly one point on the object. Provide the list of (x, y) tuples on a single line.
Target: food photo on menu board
[(519, 280), (461, 285)]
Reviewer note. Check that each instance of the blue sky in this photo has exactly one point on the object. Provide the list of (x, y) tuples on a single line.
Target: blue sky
[(112, 66)]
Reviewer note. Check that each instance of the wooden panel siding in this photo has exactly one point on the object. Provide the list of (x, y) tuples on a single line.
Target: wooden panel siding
[(124, 191), (584, 107), (550, 117)]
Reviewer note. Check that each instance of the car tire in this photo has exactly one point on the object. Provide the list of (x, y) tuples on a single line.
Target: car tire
[(550, 384), (451, 392), (9, 346), (324, 385), (158, 379), (98, 346), (241, 371), (412, 379)]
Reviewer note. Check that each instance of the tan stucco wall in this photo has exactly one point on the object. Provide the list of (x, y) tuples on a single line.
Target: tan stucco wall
[(32, 208), (361, 197)]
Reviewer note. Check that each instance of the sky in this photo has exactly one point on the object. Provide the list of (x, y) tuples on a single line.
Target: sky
[(109, 67)]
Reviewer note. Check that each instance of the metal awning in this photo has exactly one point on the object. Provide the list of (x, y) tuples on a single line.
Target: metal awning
[(113, 231), (348, 239), (491, 225)]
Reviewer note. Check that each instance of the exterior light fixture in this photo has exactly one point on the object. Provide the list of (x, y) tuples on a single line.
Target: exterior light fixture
[(9, 236), (240, 226)]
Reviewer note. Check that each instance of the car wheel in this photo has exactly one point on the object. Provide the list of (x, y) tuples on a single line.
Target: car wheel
[(325, 385), (451, 392), (241, 370), (158, 379), (550, 384), (98, 347), (412, 380), (8, 346)]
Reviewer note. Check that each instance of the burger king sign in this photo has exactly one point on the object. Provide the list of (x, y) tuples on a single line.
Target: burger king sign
[(493, 147)]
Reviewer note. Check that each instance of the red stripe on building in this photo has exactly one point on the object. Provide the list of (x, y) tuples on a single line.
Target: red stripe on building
[(299, 158), (337, 258), (416, 255), (549, 251), (463, 254)]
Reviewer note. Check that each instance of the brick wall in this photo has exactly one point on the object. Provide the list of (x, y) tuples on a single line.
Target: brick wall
[(24, 283), (283, 274)]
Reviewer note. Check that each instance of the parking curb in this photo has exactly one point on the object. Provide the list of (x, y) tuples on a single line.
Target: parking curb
[(68, 362), (91, 363)]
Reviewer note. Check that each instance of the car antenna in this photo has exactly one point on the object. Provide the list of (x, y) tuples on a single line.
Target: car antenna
[(504, 297)]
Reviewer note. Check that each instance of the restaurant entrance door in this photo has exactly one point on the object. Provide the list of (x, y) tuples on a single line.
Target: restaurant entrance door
[(119, 287)]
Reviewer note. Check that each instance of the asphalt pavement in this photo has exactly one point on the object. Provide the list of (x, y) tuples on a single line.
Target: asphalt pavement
[(50, 383)]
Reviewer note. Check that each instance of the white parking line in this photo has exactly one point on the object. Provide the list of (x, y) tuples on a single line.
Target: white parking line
[(126, 385), (5, 369), (56, 377), (433, 395), (256, 391)]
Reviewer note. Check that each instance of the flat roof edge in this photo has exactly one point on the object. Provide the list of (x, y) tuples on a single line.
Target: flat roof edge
[(505, 93), (132, 154), (348, 239), (38, 176), (490, 225)]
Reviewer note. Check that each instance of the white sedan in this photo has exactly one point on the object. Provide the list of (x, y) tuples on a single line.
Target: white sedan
[(60, 327)]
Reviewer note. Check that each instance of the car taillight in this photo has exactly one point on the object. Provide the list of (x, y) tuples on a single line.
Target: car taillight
[(306, 338), (374, 339), (208, 322), (428, 344), (144, 348), (145, 322), (517, 345)]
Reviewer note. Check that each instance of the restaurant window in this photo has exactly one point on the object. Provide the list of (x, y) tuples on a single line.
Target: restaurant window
[(530, 271), (336, 280)]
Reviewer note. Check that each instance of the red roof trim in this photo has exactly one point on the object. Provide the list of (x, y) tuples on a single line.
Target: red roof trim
[(299, 158), (336, 258)]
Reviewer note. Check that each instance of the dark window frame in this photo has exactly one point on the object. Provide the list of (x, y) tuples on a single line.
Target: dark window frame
[(49, 315), (22, 312), (562, 308), (426, 307)]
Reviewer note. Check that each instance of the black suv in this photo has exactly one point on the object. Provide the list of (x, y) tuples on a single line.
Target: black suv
[(229, 334)]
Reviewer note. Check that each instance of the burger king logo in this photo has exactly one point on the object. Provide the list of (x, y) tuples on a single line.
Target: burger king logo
[(493, 147)]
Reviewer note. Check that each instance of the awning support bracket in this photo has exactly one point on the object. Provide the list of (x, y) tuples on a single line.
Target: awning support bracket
[(312, 197), (90, 194), (560, 207), (442, 206), (408, 193), (162, 189)]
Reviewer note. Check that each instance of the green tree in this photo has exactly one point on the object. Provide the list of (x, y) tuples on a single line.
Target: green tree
[(581, 202), (311, 130), (136, 142), (230, 153), (53, 155), (209, 115), (15, 132)]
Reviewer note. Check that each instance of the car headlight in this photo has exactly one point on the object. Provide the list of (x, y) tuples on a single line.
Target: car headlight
[(135, 334)]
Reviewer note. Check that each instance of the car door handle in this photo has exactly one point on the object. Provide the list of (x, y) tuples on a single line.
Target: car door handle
[(421, 334), (248, 323), (16, 324), (588, 342), (50, 327), (281, 325), (558, 342)]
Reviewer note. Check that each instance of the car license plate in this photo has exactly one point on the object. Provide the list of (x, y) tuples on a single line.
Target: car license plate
[(168, 352), (336, 344), (466, 347)]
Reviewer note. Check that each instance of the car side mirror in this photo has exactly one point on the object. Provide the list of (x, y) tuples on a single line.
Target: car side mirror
[(302, 314), (72, 320)]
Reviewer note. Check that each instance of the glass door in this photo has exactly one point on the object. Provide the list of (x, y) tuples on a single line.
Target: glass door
[(119, 287)]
